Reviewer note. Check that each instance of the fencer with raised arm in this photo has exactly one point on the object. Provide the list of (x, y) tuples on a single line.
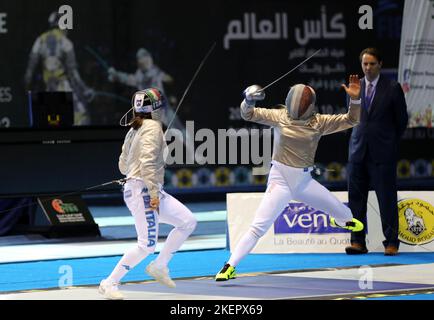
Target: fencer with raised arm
[(299, 129)]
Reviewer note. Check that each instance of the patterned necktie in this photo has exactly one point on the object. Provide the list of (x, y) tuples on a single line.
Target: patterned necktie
[(368, 98)]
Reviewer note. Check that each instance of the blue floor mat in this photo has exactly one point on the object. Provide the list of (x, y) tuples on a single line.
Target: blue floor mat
[(90, 271)]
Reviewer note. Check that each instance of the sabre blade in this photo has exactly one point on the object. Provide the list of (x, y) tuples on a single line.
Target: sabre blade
[(191, 82), (98, 58), (290, 71)]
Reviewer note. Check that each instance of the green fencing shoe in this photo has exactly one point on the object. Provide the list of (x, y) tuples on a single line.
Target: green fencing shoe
[(353, 225), (226, 273)]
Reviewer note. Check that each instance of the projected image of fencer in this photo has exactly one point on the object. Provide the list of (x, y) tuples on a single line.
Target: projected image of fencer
[(300, 130), (56, 53), (142, 162), (148, 75)]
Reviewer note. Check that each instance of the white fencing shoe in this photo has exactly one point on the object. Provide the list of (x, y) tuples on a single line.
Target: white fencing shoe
[(161, 274), (110, 290)]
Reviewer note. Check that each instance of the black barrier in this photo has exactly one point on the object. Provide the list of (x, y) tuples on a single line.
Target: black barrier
[(68, 160)]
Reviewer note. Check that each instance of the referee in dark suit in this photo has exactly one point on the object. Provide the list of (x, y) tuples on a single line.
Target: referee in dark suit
[(373, 152)]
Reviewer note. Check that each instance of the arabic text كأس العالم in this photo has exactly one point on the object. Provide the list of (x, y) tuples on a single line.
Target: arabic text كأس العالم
[(266, 30)]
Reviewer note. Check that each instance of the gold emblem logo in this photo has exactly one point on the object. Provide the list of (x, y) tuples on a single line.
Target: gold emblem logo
[(416, 221)]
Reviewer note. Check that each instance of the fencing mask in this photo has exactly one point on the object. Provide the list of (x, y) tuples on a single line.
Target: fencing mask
[(300, 102), (149, 100)]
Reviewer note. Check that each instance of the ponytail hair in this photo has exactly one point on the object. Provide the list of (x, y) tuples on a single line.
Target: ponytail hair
[(138, 119)]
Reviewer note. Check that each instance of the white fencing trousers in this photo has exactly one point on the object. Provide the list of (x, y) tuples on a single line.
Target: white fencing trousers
[(171, 211), (286, 183)]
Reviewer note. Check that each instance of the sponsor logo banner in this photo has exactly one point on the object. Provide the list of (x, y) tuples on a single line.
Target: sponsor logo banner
[(301, 218), (66, 210)]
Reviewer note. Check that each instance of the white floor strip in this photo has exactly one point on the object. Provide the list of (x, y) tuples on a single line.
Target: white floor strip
[(413, 273), (91, 293), (207, 216), (39, 252)]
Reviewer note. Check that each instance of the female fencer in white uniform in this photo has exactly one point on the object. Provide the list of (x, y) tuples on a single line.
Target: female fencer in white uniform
[(142, 162), (299, 129)]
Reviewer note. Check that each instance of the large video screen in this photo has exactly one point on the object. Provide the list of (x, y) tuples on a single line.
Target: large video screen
[(107, 50)]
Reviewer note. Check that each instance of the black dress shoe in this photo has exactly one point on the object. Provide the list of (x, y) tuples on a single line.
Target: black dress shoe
[(356, 248)]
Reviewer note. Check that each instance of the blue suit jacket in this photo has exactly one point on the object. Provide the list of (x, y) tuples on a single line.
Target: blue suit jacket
[(380, 129)]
